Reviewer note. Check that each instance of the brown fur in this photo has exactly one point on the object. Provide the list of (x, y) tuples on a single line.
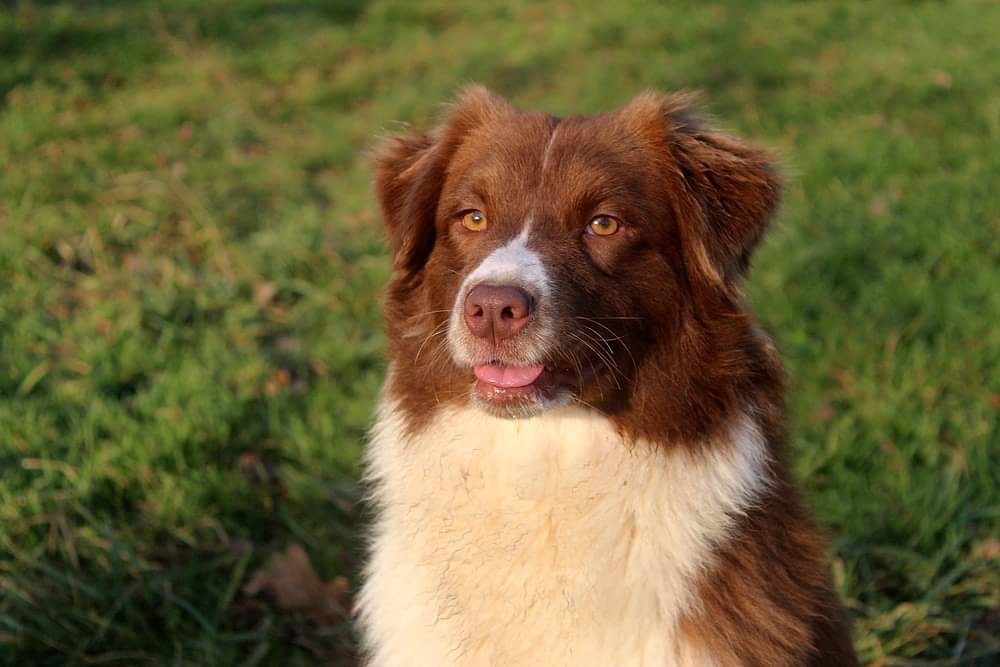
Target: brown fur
[(695, 203)]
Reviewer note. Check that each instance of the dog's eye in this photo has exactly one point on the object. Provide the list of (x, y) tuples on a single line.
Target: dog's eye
[(603, 225), (474, 221)]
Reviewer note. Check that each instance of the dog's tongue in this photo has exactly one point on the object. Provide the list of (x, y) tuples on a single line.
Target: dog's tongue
[(508, 376)]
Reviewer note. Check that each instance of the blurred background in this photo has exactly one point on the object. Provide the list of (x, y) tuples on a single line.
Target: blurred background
[(191, 265)]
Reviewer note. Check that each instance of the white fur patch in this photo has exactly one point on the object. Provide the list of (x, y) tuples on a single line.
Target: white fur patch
[(514, 263), (511, 264), (546, 541)]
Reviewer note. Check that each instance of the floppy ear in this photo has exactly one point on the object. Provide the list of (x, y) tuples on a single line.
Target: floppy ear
[(410, 170), (726, 190)]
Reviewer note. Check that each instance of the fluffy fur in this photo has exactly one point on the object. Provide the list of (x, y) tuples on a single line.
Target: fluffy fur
[(633, 506), (545, 541)]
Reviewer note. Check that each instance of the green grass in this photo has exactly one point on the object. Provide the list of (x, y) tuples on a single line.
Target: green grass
[(190, 266)]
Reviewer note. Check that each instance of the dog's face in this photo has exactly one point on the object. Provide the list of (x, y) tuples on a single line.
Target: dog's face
[(540, 261)]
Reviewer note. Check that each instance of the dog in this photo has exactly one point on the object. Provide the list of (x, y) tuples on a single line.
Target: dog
[(578, 456)]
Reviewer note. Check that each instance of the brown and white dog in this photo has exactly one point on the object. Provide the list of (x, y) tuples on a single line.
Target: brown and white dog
[(579, 452)]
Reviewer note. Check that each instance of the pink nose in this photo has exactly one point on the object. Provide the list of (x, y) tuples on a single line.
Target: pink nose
[(496, 312)]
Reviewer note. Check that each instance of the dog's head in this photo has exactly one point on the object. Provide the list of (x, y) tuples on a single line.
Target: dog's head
[(540, 261)]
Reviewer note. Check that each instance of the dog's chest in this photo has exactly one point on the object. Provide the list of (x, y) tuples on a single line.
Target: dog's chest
[(542, 541)]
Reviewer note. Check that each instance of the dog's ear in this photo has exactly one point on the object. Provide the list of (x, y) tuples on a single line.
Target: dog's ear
[(724, 191), (410, 170)]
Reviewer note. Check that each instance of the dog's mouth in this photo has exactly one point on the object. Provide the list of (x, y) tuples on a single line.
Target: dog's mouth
[(505, 388), (500, 376)]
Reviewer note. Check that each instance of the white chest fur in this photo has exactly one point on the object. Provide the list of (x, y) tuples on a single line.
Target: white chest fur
[(546, 541)]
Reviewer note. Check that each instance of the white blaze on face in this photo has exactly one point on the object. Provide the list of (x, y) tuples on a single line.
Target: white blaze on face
[(516, 265)]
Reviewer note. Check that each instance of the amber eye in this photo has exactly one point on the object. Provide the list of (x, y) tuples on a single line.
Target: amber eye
[(603, 225), (474, 221)]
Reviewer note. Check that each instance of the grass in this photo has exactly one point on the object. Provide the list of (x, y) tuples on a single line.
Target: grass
[(190, 266)]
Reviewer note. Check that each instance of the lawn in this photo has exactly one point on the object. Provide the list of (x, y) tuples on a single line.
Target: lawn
[(191, 263)]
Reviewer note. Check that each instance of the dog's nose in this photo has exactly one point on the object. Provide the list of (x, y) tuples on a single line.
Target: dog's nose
[(496, 311)]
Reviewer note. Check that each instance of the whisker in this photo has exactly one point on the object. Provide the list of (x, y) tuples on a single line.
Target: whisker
[(579, 400), (577, 367), (620, 339), (574, 358), (598, 336), (429, 312), (439, 352), (600, 386), (607, 357), (438, 330), (617, 339), (602, 356), (603, 326)]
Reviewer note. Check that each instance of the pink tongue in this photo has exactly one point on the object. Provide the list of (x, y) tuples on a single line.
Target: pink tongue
[(508, 376)]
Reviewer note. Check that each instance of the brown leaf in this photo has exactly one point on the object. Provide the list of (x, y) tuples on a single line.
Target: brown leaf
[(290, 580), (940, 78), (988, 549), (893, 455), (321, 368), (134, 263), (878, 206), (277, 382), (248, 461), (845, 381), (263, 293), (261, 470)]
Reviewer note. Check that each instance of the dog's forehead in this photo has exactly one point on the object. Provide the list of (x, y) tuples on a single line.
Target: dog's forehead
[(530, 164), (529, 140), (506, 149)]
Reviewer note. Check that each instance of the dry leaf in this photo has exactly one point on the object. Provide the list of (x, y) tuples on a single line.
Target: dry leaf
[(878, 206), (278, 381), (290, 580), (988, 549), (263, 293), (940, 78)]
